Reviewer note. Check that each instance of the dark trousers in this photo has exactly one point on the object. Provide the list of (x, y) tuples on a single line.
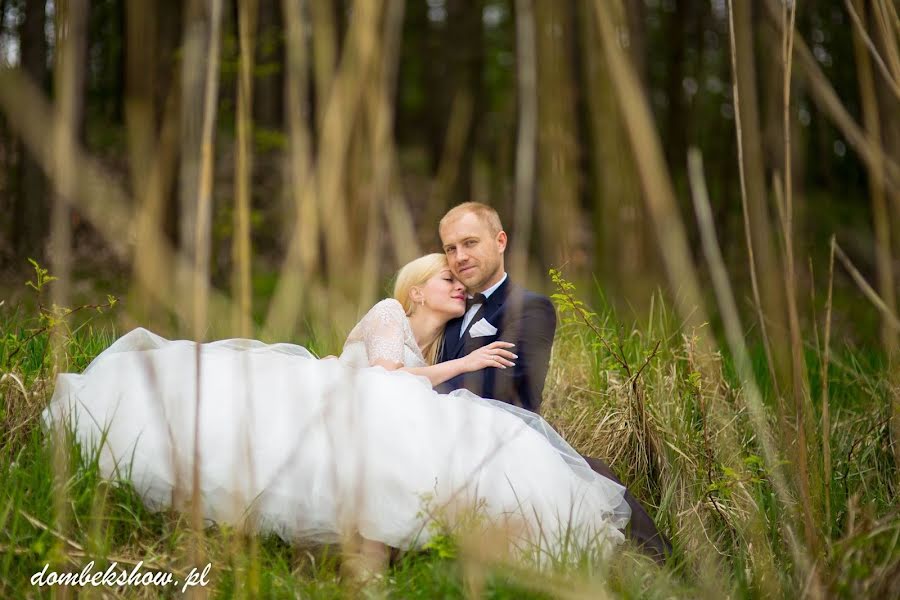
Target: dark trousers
[(643, 530)]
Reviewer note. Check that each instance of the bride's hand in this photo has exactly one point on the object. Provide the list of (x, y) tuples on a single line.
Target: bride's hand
[(492, 355)]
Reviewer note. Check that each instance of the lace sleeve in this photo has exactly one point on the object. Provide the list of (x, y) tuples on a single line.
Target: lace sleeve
[(384, 331)]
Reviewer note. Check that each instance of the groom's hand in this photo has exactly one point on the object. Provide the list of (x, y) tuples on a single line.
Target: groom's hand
[(495, 354)]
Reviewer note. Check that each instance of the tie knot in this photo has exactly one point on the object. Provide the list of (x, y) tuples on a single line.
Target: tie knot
[(476, 299)]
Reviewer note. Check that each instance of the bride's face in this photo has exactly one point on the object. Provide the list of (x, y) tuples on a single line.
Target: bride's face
[(445, 294)]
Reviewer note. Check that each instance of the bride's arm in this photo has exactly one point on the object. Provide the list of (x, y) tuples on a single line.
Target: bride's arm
[(440, 372), (495, 355)]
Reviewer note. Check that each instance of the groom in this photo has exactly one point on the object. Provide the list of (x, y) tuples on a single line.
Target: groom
[(497, 309)]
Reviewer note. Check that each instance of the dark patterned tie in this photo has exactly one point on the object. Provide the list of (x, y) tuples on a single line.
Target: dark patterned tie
[(476, 299)]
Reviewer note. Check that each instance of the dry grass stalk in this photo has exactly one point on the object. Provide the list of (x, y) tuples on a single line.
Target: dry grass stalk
[(826, 408), (807, 478), (880, 214), (203, 220), (202, 43), (881, 217), (884, 15), (670, 231), (734, 335), (829, 102), (760, 230), (889, 316), (247, 12), (861, 38)]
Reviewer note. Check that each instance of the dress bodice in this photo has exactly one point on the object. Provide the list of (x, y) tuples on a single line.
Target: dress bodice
[(384, 333)]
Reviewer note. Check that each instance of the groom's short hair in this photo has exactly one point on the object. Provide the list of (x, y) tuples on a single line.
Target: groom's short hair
[(486, 213)]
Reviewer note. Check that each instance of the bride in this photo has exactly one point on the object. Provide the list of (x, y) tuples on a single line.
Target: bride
[(321, 449)]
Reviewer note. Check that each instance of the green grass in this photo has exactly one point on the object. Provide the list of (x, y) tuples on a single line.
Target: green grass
[(680, 437)]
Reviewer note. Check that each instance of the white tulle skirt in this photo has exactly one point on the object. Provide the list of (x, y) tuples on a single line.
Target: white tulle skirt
[(316, 449)]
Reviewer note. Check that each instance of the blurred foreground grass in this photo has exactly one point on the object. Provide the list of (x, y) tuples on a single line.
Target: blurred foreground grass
[(631, 393)]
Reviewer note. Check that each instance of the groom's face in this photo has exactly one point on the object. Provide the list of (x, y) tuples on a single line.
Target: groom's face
[(474, 253)]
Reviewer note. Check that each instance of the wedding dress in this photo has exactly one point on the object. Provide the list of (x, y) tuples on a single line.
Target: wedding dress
[(313, 449)]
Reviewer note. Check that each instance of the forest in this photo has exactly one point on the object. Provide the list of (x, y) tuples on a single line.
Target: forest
[(709, 190)]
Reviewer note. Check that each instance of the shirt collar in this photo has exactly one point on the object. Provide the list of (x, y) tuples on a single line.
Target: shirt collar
[(487, 293)]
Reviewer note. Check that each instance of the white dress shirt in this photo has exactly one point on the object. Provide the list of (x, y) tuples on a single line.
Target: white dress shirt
[(470, 314)]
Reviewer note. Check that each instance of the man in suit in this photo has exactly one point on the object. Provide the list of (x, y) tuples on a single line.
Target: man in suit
[(474, 242)]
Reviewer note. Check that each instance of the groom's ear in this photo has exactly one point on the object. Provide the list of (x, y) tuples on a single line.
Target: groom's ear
[(501, 240)]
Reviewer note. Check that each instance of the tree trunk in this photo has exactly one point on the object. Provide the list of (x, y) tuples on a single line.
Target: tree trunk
[(7, 158), (268, 110), (560, 225), (200, 82), (765, 255), (32, 214), (466, 41), (69, 69), (623, 254), (883, 214), (676, 111)]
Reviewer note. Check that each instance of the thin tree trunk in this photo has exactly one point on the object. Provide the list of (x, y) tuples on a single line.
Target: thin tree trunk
[(880, 213), (200, 82), (7, 157), (557, 203), (676, 111), (763, 254), (269, 82), (298, 270), (380, 113), (71, 36), (325, 52), (31, 221), (466, 38), (526, 143), (140, 88), (623, 244), (246, 18)]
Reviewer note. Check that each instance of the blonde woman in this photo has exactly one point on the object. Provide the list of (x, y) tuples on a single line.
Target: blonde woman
[(406, 331), (327, 450)]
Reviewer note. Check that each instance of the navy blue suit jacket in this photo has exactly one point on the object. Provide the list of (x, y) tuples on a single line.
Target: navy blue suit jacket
[(526, 319)]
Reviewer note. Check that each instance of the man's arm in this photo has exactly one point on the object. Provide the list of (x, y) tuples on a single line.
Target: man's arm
[(531, 326)]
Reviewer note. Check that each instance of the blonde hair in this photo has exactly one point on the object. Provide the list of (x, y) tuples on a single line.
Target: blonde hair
[(413, 274), (487, 214)]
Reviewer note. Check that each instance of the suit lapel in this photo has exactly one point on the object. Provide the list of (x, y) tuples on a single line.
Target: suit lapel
[(495, 303), (452, 339), (488, 310), (475, 318), (458, 342)]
